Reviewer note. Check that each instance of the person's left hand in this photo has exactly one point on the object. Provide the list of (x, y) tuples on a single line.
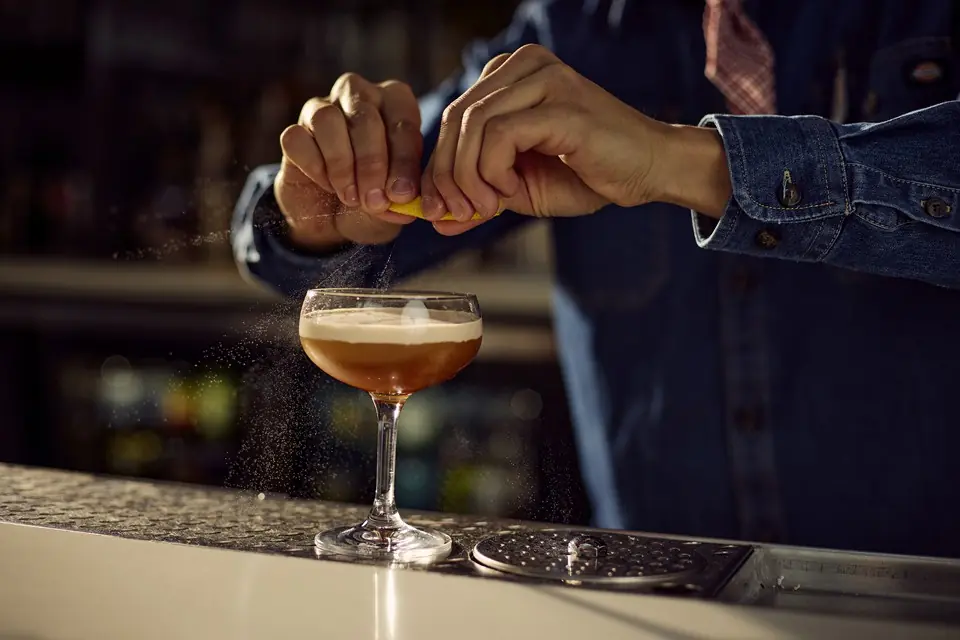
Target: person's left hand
[(537, 138)]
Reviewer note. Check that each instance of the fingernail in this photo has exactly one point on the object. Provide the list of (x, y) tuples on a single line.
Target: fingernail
[(432, 207), (376, 199), (350, 197), (402, 187), (483, 209), (461, 210)]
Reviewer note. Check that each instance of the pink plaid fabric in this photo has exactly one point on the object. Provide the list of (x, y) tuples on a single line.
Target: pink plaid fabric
[(739, 59)]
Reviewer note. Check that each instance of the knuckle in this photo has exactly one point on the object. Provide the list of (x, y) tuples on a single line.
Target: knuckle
[(474, 115), (450, 114), (347, 80), (313, 168), (324, 115), (396, 85), (564, 71), (443, 178), (403, 158), (486, 171), (360, 112), (534, 51), (562, 75), (289, 137), (339, 170), (371, 163), (495, 63), (311, 105), (496, 128), (462, 175), (403, 127)]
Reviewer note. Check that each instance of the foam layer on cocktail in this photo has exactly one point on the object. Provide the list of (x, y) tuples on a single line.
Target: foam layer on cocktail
[(410, 325)]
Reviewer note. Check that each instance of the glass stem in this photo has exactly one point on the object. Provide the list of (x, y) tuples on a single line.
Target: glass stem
[(384, 512)]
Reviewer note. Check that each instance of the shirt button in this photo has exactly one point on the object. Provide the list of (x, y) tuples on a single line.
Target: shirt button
[(789, 195), (767, 239), (748, 420), (936, 207)]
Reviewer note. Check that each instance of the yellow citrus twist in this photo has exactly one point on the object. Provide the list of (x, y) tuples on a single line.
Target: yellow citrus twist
[(415, 208)]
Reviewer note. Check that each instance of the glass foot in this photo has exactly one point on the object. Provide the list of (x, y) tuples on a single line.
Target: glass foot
[(401, 544)]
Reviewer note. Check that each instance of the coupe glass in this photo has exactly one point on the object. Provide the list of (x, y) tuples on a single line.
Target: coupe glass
[(389, 344)]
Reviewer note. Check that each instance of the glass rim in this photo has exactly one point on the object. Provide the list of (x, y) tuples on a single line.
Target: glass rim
[(392, 294)]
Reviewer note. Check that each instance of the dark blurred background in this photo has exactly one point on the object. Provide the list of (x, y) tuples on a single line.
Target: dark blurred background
[(129, 343)]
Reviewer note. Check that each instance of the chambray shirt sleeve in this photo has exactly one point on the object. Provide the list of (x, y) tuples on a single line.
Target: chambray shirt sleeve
[(259, 231), (879, 197)]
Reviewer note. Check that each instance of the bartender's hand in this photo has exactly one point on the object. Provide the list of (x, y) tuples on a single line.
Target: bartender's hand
[(545, 141), (350, 154)]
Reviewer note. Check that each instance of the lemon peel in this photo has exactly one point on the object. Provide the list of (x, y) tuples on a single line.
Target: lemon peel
[(414, 208)]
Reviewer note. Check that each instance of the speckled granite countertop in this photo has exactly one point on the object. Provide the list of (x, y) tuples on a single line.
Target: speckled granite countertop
[(242, 521)]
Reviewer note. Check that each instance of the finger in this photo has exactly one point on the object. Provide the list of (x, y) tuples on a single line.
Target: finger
[(401, 116), (301, 149), (549, 129), (360, 101), (441, 166), (525, 94), (432, 202), (325, 121), (495, 63), (455, 228), (503, 72)]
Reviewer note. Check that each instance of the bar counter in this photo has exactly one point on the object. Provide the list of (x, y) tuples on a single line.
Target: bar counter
[(90, 557)]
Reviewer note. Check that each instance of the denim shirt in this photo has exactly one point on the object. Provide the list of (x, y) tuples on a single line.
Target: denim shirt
[(791, 379)]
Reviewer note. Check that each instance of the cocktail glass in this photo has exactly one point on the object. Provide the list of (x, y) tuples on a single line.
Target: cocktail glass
[(391, 345)]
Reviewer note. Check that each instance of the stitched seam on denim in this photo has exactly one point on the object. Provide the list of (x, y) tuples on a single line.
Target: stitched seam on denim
[(738, 160), (880, 227), (895, 273), (925, 185), (843, 171), (823, 161), (731, 233), (720, 241), (819, 205), (833, 242), (809, 248)]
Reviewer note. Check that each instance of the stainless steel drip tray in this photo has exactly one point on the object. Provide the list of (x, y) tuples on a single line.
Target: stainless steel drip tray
[(859, 584), (602, 559)]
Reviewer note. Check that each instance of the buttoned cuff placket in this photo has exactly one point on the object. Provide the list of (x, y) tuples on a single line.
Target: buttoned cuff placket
[(790, 192)]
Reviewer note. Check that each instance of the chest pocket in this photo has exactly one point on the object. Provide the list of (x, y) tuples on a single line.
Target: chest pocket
[(911, 75)]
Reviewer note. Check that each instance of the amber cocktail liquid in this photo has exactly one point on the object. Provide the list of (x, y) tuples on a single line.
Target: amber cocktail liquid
[(389, 344), (385, 352)]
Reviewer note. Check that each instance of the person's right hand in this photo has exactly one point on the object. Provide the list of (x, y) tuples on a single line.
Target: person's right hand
[(349, 156)]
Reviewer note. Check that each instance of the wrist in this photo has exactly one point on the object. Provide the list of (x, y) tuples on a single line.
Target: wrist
[(692, 170)]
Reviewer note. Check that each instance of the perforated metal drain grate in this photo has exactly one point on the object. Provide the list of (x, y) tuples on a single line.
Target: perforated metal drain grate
[(594, 557)]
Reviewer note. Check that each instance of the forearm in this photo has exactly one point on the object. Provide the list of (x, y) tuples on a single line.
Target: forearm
[(881, 198)]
